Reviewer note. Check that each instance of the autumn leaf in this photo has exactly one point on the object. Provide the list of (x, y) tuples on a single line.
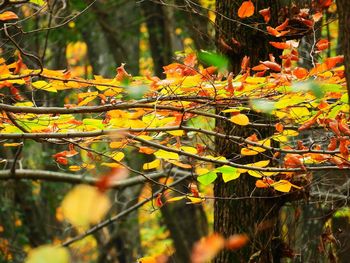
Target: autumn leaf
[(8, 15), (207, 248), (237, 241), (240, 119), (48, 253), (84, 205), (322, 44), (246, 9), (266, 13)]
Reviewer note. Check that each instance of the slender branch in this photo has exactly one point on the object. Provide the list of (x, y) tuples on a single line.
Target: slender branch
[(112, 219), (113, 132), (232, 164), (27, 174)]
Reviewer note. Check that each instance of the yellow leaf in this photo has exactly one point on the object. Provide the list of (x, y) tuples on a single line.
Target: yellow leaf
[(112, 165), (177, 198), (74, 168), (166, 155), (189, 149), (260, 164), (176, 133), (86, 100), (200, 170), (14, 144), (48, 253), (256, 174), (180, 164), (43, 85), (240, 119), (151, 165), (84, 205), (195, 200), (147, 260), (118, 156), (119, 144), (284, 186)]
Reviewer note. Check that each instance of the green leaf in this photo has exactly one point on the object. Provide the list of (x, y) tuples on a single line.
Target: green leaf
[(37, 2), (228, 173), (208, 178), (213, 59)]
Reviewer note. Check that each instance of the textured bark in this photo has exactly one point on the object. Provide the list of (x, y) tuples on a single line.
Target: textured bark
[(119, 21), (253, 42), (158, 20), (344, 21), (187, 224), (258, 218)]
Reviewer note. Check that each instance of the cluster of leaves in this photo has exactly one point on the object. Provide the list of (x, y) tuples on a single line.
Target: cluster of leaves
[(173, 119)]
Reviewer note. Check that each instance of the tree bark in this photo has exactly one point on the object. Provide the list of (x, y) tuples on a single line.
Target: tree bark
[(258, 218), (160, 35), (344, 21)]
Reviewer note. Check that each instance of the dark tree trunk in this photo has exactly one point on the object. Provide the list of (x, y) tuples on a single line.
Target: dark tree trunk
[(160, 35), (187, 224), (258, 218), (119, 21), (344, 21)]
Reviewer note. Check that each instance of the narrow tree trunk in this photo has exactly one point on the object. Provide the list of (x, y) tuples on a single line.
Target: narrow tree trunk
[(160, 37)]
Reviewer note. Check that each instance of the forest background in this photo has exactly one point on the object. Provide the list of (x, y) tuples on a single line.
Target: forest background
[(224, 136)]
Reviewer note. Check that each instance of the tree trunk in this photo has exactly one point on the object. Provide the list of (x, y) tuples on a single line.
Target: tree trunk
[(344, 21), (186, 223), (258, 218), (160, 35)]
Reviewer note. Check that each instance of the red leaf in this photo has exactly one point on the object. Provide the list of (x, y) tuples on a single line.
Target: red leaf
[(246, 9), (266, 13), (62, 160), (343, 148), (332, 144)]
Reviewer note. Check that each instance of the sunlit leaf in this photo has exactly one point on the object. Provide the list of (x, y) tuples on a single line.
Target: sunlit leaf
[(48, 253), (208, 178), (151, 165), (84, 205), (246, 9), (162, 154), (240, 119)]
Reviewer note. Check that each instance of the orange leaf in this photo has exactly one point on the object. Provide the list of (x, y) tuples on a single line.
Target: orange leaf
[(261, 184), (8, 15), (207, 248), (300, 73), (280, 45), (266, 13), (283, 25), (332, 62), (236, 241), (272, 65), (322, 44), (260, 67), (246, 9), (279, 127)]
